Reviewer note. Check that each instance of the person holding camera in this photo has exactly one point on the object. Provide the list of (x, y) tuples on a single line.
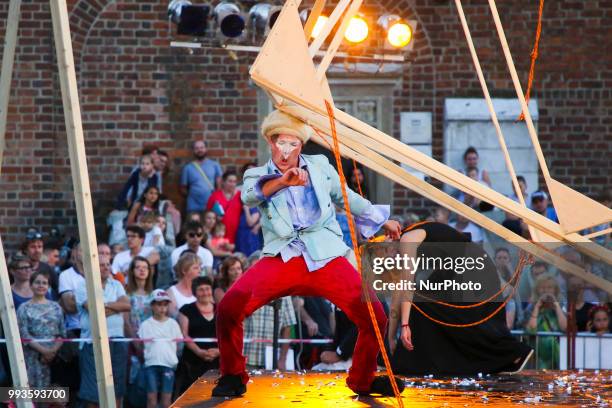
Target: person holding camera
[(545, 314)]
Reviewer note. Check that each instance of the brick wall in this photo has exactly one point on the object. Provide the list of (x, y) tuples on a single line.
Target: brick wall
[(136, 90)]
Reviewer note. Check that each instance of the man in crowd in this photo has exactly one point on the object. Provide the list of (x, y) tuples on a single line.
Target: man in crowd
[(194, 235), (540, 204), (200, 178), (116, 303), (66, 371), (33, 247), (135, 240)]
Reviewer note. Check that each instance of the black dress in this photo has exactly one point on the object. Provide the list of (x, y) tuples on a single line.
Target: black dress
[(442, 350), (190, 366)]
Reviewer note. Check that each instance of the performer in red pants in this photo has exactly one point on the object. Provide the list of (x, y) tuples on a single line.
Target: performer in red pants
[(303, 254)]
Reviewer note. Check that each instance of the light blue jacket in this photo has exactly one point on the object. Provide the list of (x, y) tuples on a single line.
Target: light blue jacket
[(323, 239)]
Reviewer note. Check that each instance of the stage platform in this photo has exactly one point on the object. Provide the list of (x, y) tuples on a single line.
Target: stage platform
[(315, 389)]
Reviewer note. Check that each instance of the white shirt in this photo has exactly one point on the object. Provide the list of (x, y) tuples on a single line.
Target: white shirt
[(180, 299), (122, 260), (473, 229), (150, 236), (206, 257), (71, 281), (113, 290), (160, 353)]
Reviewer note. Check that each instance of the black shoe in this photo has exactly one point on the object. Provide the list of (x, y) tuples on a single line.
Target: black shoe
[(229, 386), (382, 385)]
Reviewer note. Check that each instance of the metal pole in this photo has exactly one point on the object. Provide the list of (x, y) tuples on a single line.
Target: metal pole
[(276, 305)]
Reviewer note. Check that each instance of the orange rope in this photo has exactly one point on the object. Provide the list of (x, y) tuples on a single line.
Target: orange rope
[(534, 57), (349, 215), (520, 266), (515, 277)]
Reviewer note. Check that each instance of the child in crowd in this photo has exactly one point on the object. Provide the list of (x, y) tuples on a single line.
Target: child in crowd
[(600, 320), (153, 234), (148, 202), (160, 353), (136, 185), (218, 240), (116, 248)]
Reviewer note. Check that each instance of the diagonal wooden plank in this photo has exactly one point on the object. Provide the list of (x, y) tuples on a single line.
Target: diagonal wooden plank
[(354, 150), (396, 150), (285, 63), (82, 195), (7, 307), (575, 213)]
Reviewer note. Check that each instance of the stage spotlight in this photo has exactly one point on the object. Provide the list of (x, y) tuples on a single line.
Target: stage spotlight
[(357, 30), (262, 17), (190, 19), (321, 20), (229, 19), (398, 32)]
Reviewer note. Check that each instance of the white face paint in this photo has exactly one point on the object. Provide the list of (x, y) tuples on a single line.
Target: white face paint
[(287, 147)]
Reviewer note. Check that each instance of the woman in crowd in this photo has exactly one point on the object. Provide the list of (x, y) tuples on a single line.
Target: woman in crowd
[(599, 322), (40, 318), (139, 288), (249, 238), (231, 269), (20, 269), (505, 270), (575, 290), (357, 180), (470, 161), (165, 276), (187, 269), (197, 320), (210, 220), (148, 202), (228, 198), (544, 314), (487, 347)]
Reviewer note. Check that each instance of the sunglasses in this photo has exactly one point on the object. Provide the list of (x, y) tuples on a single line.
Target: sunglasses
[(23, 268), (195, 234)]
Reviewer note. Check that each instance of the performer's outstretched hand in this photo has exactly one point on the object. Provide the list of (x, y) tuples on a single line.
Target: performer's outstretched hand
[(406, 338), (295, 177), (393, 229)]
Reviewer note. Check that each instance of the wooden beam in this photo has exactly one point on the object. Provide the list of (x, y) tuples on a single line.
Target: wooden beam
[(396, 150), (315, 12), (82, 194), (598, 233), (335, 43), (593, 212), (537, 235), (7, 307), (357, 151), (327, 28), (11, 330), (519, 91), (8, 59)]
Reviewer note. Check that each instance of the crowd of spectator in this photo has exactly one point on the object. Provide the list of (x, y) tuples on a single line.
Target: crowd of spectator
[(163, 271)]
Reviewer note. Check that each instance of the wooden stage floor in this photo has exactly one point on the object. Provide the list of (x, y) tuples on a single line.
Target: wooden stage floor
[(315, 389)]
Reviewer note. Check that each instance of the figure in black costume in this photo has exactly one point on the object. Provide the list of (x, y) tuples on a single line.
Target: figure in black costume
[(427, 347)]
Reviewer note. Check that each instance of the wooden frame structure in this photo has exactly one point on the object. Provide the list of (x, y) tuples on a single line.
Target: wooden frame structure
[(285, 70), (80, 181)]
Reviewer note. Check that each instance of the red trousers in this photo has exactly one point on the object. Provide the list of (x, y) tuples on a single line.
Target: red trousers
[(271, 278)]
